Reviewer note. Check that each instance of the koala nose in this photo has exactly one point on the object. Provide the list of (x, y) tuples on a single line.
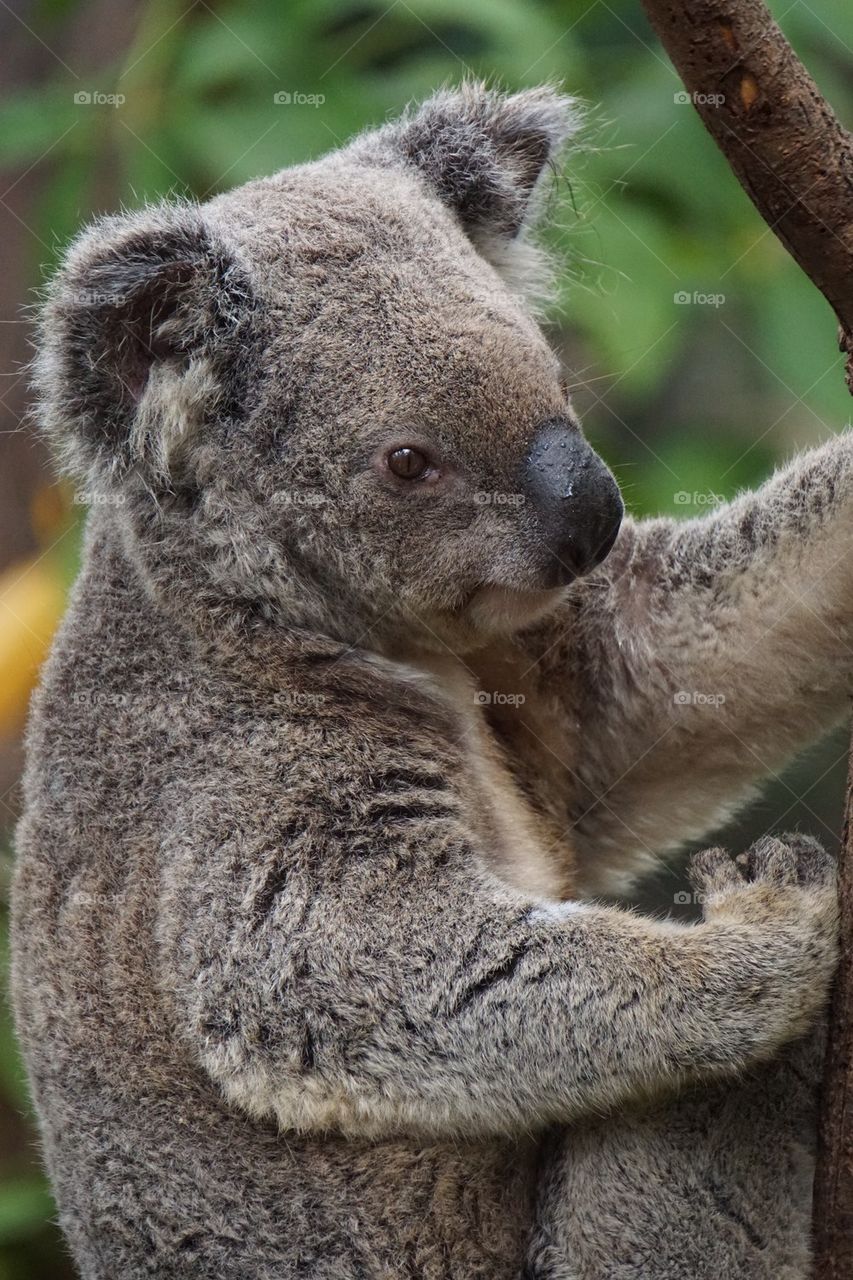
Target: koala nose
[(577, 499)]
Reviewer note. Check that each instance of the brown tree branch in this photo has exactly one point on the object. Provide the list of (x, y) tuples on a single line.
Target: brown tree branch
[(795, 161), (833, 1197), (767, 115)]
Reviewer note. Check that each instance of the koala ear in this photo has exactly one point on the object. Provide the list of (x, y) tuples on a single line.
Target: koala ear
[(129, 338), (483, 153)]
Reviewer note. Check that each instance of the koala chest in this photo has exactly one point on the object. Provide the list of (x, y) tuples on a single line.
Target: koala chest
[(514, 795)]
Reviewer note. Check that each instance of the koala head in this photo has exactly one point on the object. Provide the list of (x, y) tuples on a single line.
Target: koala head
[(322, 400)]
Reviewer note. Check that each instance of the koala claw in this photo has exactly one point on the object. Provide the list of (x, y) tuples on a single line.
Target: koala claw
[(785, 861), (791, 859), (713, 871)]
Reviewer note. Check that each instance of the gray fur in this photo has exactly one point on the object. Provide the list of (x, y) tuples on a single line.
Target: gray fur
[(302, 972)]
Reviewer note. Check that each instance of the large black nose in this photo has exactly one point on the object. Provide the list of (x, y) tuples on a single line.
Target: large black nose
[(577, 501)]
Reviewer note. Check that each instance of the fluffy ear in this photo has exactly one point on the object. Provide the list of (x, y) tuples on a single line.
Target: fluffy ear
[(132, 341), (483, 153)]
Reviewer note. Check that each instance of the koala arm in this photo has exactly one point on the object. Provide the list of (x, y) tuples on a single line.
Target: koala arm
[(701, 657), (393, 984)]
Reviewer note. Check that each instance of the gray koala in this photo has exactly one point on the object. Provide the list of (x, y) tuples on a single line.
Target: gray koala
[(365, 694)]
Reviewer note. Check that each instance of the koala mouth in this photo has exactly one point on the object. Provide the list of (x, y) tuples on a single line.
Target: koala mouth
[(502, 610)]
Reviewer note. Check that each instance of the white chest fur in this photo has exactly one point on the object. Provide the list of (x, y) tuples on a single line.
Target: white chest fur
[(520, 843)]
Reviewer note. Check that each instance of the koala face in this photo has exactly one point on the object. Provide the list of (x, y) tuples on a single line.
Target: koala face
[(324, 395)]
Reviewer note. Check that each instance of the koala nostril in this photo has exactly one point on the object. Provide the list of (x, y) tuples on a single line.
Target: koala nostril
[(582, 551), (578, 501)]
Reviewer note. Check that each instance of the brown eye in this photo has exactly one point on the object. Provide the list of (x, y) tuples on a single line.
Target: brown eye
[(408, 464)]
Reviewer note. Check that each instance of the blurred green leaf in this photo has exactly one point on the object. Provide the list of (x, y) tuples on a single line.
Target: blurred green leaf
[(24, 1206), (35, 123)]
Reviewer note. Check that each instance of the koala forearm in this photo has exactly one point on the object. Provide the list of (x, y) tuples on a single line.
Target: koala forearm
[(491, 1016), (720, 647)]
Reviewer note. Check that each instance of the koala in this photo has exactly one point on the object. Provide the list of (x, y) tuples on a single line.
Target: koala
[(368, 696)]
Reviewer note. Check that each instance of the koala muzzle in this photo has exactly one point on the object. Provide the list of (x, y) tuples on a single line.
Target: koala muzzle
[(577, 501)]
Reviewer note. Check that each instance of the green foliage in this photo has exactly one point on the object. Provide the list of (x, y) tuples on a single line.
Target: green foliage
[(685, 398)]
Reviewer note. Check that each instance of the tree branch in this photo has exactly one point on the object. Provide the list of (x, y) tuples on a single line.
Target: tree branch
[(778, 133), (795, 161), (833, 1193)]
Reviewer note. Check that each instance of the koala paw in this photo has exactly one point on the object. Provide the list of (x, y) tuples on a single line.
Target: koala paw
[(784, 862), (790, 859), (780, 897)]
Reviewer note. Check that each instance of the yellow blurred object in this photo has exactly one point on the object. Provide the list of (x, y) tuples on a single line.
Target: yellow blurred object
[(49, 511), (32, 600)]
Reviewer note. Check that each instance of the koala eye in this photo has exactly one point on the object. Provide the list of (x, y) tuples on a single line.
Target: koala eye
[(408, 464)]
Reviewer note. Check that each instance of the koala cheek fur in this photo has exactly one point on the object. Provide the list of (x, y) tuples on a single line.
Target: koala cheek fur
[(329, 762)]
